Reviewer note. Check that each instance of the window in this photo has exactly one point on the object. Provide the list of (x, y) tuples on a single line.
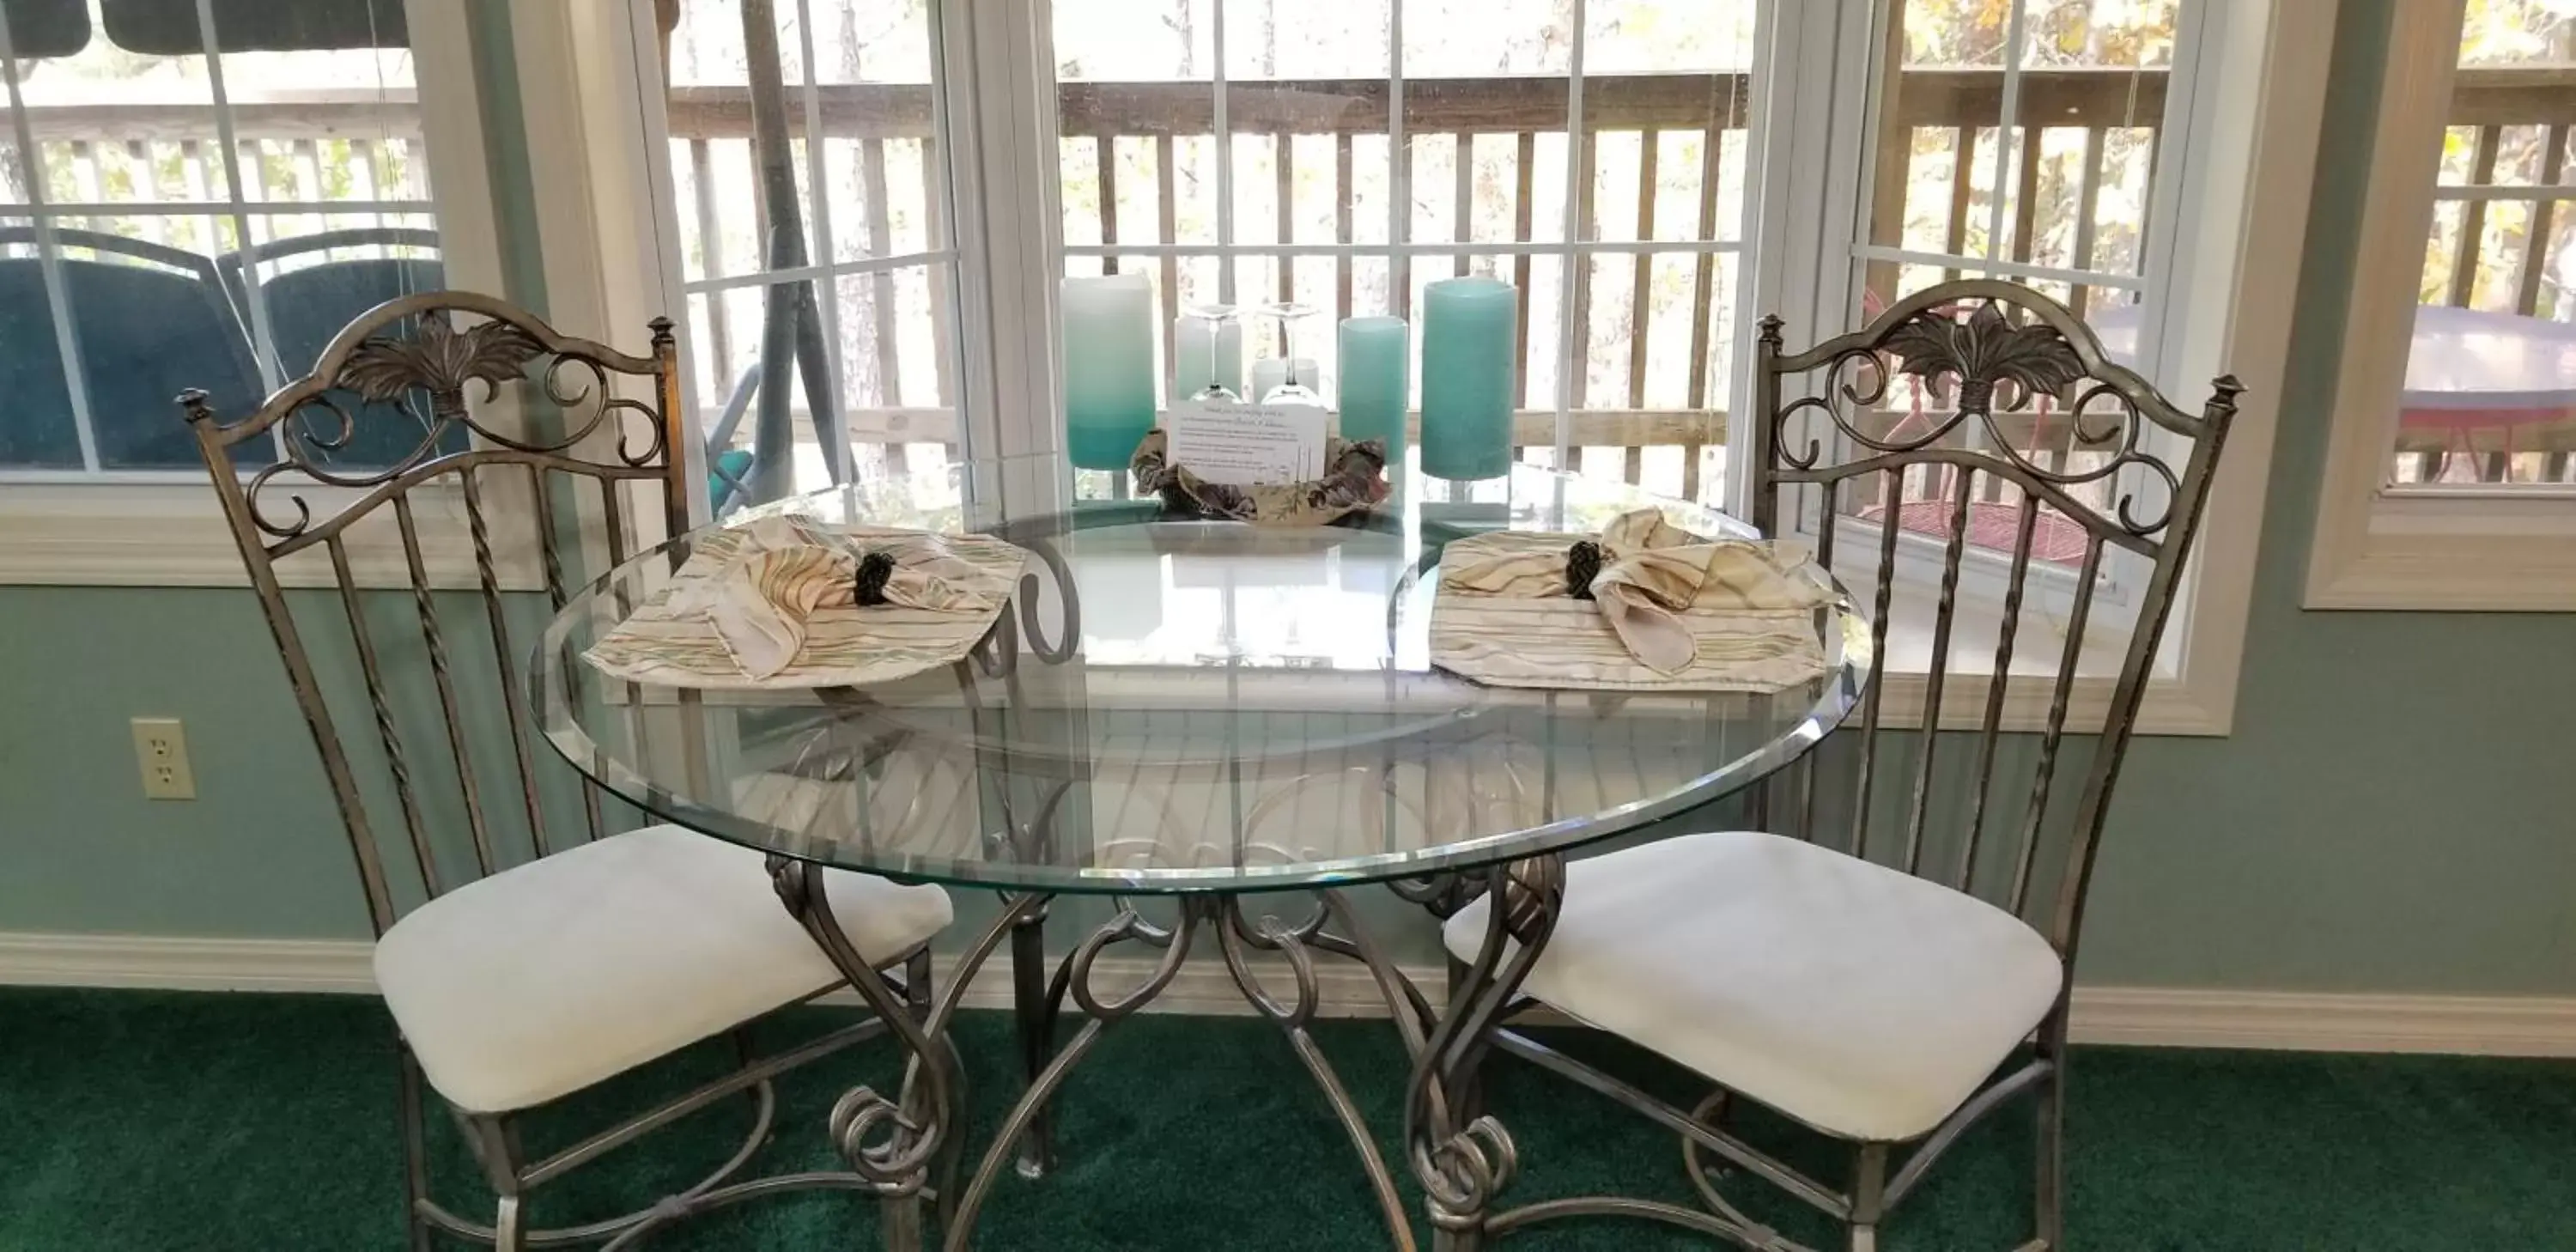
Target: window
[(857, 277), (2017, 141), (2025, 141), (2496, 271), (2448, 482), (196, 196), (2139, 161), (1592, 155), (1646, 172)]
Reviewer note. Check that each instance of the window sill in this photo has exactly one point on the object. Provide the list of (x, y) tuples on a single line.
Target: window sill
[(2447, 553), (137, 535)]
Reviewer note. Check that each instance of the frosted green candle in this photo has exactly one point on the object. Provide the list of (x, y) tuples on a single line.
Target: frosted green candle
[(1467, 353), (1108, 368), (1375, 352)]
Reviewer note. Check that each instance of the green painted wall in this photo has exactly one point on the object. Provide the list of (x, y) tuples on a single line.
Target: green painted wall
[(2393, 812)]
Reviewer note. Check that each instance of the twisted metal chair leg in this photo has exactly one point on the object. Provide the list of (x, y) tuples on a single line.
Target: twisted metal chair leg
[(415, 1133), (496, 1148), (2048, 1197), (1868, 1195)]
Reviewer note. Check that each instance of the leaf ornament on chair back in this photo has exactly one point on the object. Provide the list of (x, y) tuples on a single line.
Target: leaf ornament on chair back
[(440, 361), (1984, 349)]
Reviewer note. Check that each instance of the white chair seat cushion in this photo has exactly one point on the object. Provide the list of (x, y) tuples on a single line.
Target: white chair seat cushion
[(547, 977), (1857, 999)]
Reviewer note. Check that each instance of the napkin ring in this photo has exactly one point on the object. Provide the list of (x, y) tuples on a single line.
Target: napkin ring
[(868, 588), (1582, 565)]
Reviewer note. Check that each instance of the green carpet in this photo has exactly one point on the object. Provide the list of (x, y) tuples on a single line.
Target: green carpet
[(145, 1121)]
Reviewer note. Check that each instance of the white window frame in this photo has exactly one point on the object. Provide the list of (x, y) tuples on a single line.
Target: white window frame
[(2455, 548), (162, 528)]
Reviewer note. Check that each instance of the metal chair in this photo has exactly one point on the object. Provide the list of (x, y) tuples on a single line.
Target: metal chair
[(146, 326), (1889, 970), (526, 949)]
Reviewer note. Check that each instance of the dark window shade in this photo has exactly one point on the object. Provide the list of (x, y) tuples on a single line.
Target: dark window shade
[(169, 27), (46, 28)]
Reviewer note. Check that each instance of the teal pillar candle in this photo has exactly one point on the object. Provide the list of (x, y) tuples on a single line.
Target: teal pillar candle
[(1108, 368), (1468, 348), (1376, 352)]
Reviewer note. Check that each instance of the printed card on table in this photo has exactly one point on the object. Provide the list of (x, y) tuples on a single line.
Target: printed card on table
[(1247, 445)]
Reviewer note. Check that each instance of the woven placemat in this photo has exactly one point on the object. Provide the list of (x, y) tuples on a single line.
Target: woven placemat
[(843, 647), (1562, 643)]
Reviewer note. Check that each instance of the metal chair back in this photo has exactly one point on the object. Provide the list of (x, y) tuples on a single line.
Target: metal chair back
[(595, 448), (147, 323), (306, 306), (1833, 449)]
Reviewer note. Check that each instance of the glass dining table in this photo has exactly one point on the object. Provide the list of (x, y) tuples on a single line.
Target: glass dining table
[(1224, 730)]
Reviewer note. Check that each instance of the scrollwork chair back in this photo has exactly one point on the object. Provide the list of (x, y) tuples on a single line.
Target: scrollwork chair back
[(438, 361), (1832, 456)]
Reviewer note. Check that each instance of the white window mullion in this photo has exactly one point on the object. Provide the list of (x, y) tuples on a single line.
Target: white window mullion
[(49, 256), (2015, 35), (1224, 162), (997, 67), (1399, 183), (1430, 247), (837, 449), (2177, 307), (1573, 342), (264, 343), (2164, 227), (971, 335), (801, 273), (2008, 269), (183, 208)]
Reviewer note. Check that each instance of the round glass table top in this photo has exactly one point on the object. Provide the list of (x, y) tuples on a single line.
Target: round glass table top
[(1175, 705)]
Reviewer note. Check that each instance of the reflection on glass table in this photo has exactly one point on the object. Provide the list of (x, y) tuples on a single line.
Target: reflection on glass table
[(1177, 674)]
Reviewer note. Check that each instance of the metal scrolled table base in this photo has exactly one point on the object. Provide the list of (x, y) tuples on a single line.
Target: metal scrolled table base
[(907, 1149), (1237, 937), (904, 1149)]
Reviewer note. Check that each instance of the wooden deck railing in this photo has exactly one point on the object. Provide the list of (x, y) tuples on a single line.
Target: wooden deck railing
[(871, 125), (287, 146), (1520, 110), (2088, 103)]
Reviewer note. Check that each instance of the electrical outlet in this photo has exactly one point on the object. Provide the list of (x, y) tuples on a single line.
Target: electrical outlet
[(161, 748)]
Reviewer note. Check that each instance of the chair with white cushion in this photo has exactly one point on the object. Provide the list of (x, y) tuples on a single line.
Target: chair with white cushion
[(1892, 965), (530, 945)]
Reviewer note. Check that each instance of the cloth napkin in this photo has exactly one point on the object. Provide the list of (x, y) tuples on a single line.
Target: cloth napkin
[(1651, 571), (783, 569)]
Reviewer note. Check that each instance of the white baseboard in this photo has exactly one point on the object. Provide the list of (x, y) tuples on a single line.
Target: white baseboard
[(2303, 1021), (175, 964), (2315, 1021)]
